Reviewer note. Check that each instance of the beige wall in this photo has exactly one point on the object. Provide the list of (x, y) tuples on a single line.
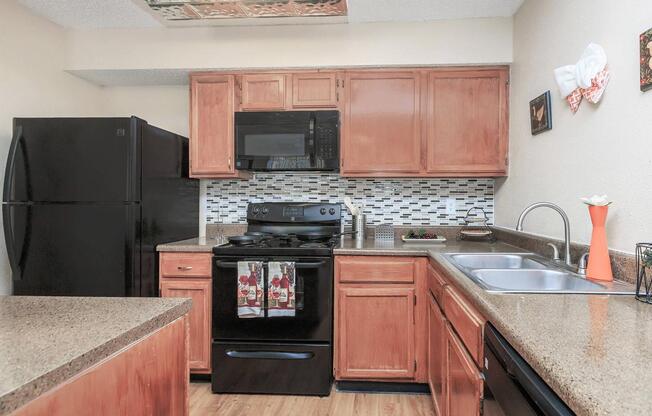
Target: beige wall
[(439, 42), (603, 148), (32, 83)]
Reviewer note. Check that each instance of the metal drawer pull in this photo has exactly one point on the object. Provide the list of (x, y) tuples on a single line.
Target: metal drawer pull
[(184, 267), (270, 355)]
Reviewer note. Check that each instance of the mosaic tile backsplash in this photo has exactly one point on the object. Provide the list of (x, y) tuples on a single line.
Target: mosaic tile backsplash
[(394, 201)]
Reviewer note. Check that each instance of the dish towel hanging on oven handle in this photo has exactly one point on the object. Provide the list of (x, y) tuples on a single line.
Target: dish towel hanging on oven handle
[(281, 281), (250, 289)]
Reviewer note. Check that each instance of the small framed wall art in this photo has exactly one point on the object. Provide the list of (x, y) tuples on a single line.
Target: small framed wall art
[(541, 113), (646, 60)]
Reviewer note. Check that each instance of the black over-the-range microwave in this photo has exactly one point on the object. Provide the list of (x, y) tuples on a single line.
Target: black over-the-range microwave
[(287, 140)]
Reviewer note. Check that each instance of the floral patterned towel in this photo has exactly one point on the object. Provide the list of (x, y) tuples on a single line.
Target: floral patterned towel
[(250, 289), (281, 281)]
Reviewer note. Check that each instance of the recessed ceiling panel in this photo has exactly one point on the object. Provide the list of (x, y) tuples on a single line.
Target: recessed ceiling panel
[(226, 9)]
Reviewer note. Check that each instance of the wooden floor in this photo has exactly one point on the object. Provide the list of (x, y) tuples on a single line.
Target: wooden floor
[(203, 402)]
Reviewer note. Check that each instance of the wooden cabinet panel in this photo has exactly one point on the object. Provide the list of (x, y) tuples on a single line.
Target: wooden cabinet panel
[(463, 379), (381, 134), (437, 356), (263, 92), (314, 90), (211, 126), (199, 316), (466, 119), (375, 333), (149, 377), (436, 283), (186, 265), (375, 269), (468, 323)]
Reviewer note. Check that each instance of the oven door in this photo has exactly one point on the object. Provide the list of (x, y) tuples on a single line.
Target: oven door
[(313, 320)]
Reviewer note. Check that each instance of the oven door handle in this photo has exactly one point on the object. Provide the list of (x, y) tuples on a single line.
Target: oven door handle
[(270, 355), (234, 264)]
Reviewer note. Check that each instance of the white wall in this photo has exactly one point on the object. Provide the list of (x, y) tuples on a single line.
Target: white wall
[(465, 41), (33, 83), (603, 148)]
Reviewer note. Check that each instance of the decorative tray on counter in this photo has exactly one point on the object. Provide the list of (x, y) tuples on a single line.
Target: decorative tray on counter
[(421, 236)]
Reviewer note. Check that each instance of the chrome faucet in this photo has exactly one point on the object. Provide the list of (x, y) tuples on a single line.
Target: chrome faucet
[(519, 225)]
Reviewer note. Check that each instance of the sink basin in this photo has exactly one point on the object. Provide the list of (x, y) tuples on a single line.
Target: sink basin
[(496, 261), (528, 273), (535, 281)]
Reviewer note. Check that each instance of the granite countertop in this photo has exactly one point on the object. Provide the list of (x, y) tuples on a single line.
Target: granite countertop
[(45, 341), (592, 350), (197, 245)]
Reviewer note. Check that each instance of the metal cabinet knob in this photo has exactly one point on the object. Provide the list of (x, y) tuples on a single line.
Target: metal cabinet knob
[(184, 267)]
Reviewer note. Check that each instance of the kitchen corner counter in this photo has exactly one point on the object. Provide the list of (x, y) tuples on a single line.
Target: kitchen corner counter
[(590, 349), (194, 245), (45, 341), (371, 247)]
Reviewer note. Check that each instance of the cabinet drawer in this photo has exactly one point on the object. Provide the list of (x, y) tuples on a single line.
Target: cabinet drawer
[(185, 265), (467, 322), (436, 283), (375, 269)]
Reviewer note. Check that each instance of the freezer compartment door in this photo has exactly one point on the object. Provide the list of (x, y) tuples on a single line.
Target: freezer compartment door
[(272, 368), (76, 250), (74, 159)]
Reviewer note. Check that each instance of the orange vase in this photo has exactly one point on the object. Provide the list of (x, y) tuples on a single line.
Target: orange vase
[(599, 267)]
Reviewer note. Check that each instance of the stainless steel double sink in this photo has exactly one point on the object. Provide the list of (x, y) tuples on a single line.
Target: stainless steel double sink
[(528, 273)]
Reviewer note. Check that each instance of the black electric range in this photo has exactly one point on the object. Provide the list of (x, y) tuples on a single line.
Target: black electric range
[(269, 353)]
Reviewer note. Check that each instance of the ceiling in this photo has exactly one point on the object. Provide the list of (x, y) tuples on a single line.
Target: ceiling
[(102, 14)]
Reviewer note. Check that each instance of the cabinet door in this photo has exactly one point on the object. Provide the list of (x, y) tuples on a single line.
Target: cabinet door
[(375, 333), (314, 90), (199, 290), (463, 379), (263, 92), (466, 122), (437, 356), (211, 126), (381, 133)]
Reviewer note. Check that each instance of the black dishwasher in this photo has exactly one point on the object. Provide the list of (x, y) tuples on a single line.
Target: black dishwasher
[(511, 385)]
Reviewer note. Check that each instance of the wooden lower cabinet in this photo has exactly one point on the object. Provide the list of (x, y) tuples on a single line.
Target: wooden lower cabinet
[(380, 320), (200, 323), (149, 377), (463, 379), (181, 277), (437, 357), (376, 333)]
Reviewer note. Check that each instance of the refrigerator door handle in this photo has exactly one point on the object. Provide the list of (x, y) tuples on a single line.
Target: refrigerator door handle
[(10, 240), (11, 162)]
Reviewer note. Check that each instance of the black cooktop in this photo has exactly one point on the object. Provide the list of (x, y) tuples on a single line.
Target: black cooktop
[(278, 246), (281, 223)]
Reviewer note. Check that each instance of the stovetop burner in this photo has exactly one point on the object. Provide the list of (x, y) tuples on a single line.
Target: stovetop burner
[(287, 228)]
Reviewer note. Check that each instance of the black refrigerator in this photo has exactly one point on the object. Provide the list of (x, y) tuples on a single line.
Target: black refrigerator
[(86, 201)]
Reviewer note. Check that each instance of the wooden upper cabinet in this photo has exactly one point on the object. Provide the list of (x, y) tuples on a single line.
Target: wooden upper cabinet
[(314, 90), (463, 379), (466, 119), (211, 126), (381, 133), (263, 92), (375, 333)]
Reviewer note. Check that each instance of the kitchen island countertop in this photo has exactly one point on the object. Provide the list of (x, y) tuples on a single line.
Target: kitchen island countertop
[(45, 341)]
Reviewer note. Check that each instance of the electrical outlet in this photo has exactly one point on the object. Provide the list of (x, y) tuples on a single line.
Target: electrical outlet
[(451, 206)]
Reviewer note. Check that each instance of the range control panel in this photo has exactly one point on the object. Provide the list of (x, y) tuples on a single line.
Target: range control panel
[(295, 212)]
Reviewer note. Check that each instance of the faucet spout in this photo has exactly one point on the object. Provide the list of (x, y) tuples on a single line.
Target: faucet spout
[(564, 217)]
